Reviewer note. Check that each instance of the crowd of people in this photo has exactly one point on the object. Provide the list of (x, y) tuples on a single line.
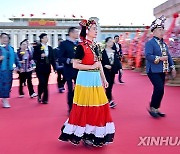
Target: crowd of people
[(85, 68), (41, 57)]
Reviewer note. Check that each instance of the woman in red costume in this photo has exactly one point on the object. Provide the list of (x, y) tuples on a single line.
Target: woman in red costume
[(90, 119)]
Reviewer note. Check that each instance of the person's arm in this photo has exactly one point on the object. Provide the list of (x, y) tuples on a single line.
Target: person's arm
[(77, 61), (78, 65), (36, 55), (120, 50), (106, 84), (151, 57), (149, 53), (16, 60), (53, 60), (118, 62), (104, 63), (171, 65), (170, 60), (62, 55)]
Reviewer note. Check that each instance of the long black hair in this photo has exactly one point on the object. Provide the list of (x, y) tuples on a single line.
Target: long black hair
[(83, 33)]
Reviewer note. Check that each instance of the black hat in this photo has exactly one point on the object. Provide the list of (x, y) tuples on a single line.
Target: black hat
[(158, 23)]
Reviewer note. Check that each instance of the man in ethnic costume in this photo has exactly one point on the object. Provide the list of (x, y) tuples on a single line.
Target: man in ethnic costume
[(158, 64)]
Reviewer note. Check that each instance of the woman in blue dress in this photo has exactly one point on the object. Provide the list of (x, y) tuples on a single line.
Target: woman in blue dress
[(7, 59)]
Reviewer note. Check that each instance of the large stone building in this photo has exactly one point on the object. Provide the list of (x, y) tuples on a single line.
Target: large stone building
[(30, 28), (168, 8)]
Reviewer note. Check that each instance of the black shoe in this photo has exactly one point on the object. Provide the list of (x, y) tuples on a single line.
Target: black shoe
[(63, 88), (121, 82), (44, 102), (112, 104), (61, 91), (154, 114), (161, 114), (39, 100), (87, 142)]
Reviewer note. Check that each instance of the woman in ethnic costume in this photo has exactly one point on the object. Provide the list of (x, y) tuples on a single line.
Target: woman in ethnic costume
[(90, 118), (7, 58)]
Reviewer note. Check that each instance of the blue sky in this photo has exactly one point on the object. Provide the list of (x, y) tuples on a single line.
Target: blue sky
[(110, 12)]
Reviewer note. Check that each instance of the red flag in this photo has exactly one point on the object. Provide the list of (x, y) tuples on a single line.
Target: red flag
[(81, 16), (31, 15), (22, 15), (73, 16)]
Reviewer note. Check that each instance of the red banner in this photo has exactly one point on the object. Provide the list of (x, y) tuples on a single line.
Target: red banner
[(42, 23)]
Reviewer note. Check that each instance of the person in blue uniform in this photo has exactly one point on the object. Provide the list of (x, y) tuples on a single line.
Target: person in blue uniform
[(8, 58), (66, 56), (60, 68), (158, 63)]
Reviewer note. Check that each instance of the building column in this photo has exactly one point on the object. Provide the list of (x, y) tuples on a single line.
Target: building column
[(23, 36), (55, 39), (30, 37), (15, 41), (49, 38), (37, 35), (63, 35), (12, 38)]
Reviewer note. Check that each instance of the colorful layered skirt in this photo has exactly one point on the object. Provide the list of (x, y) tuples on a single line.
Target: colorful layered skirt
[(90, 119)]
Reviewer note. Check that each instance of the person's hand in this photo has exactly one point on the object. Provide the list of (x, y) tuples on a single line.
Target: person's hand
[(23, 61), (96, 65), (163, 58), (106, 84), (1, 58), (79, 61), (108, 67), (173, 73), (43, 55)]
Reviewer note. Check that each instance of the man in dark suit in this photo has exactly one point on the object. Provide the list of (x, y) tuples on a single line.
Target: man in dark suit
[(44, 58), (118, 49), (66, 56), (60, 68)]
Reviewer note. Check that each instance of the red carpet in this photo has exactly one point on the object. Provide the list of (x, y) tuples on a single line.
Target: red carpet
[(32, 128)]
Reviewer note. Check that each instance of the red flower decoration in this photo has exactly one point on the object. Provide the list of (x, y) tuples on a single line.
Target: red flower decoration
[(83, 23), (175, 15)]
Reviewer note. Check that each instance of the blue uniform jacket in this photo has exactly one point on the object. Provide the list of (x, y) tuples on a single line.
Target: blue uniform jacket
[(152, 50)]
